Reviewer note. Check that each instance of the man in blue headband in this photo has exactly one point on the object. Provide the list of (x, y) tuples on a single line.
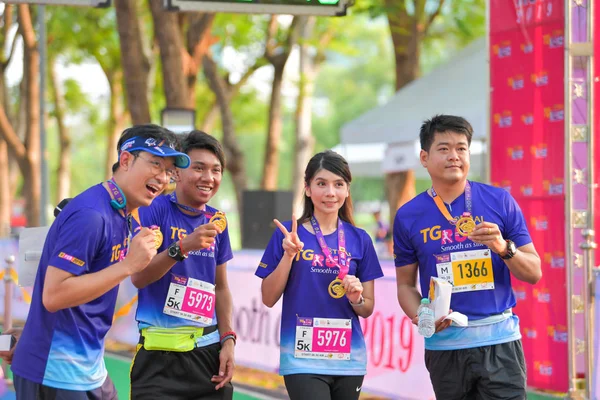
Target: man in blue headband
[(89, 250)]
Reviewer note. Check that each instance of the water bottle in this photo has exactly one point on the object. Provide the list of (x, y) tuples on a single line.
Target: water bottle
[(426, 319)]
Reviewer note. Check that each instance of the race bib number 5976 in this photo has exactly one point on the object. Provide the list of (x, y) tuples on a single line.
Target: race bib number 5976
[(323, 338)]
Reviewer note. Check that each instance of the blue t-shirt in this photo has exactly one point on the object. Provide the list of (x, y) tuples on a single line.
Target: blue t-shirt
[(65, 349), (423, 235), (200, 264), (306, 295)]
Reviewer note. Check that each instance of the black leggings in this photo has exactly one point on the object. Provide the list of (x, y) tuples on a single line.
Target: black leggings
[(323, 387)]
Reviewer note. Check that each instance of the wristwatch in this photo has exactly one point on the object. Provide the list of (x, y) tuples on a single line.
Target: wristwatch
[(174, 251), (360, 302), (511, 250)]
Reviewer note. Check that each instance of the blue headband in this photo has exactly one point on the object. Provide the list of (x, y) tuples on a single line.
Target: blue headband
[(156, 147)]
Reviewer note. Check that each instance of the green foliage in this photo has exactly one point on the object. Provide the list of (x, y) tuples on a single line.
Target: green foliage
[(357, 75), (83, 34), (349, 85)]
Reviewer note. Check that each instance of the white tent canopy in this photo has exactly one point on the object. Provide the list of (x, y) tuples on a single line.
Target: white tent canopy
[(460, 87), (382, 140)]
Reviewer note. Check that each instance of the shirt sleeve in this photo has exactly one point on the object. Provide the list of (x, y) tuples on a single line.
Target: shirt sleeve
[(369, 267), (151, 215), (79, 241), (272, 255), (515, 228), (404, 252), (224, 252)]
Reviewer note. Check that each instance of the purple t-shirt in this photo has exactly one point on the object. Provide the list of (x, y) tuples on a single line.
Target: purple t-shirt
[(65, 349), (200, 264), (307, 295)]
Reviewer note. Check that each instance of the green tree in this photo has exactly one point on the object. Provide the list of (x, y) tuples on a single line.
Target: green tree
[(90, 36), (412, 24)]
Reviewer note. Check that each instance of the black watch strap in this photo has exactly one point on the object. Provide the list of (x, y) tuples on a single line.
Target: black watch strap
[(174, 251), (511, 249)]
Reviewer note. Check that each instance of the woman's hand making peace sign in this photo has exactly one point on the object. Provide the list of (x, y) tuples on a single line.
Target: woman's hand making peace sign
[(291, 242)]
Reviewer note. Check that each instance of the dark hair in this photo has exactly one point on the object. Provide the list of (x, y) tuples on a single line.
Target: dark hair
[(441, 124), (146, 131), (201, 140), (334, 163)]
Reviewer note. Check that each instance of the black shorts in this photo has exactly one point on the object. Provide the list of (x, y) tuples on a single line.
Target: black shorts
[(323, 387), (177, 375), (495, 372), (29, 390)]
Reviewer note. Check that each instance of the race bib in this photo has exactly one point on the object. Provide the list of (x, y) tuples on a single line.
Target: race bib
[(323, 338), (467, 271), (190, 298)]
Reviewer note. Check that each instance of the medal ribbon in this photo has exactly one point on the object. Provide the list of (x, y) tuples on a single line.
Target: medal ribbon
[(342, 257), (173, 198), (116, 194), (442, 207)]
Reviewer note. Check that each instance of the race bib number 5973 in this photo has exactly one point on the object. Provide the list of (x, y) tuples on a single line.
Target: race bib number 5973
[(191, 299)]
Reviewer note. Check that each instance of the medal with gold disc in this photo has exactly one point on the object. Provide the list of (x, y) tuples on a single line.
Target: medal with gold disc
[(465, 224), (158, 236), (219, 220), (336, 287)]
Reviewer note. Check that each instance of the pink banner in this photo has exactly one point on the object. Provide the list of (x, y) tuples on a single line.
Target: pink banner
[(527, 159), (395, 350)]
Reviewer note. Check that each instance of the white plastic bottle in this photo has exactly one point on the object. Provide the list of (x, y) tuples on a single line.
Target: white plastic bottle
[(426, 319)]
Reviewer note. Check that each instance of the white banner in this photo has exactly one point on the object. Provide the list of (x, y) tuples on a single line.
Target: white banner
[(396, 367)]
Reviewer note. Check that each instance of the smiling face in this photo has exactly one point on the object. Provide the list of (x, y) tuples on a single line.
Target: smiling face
[(448, 159), (197, 184), (328, 192), (145, 176)]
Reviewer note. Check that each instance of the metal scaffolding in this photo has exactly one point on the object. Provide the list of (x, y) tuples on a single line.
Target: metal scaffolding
[(580, 192)]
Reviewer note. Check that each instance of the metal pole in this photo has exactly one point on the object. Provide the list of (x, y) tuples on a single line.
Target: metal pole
[(8, 293), (486, 176), (45, 195), (571, 337), (588, 247), (7, 303)]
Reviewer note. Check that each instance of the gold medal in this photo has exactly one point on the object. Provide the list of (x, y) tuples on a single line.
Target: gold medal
[(465, 225), (336, 289), (158, 236), (219, 220)]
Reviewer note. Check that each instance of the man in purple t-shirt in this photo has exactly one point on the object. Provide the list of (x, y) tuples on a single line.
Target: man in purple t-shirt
[(87, 253)]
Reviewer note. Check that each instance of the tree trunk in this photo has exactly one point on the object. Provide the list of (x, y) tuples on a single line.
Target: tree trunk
[(232, 91), (304, 138), (5, 198), (210, 118), (406, 34), (116, 120), (233, 152), (172, 53), (64, 161), (5, 187), (271, 164), (199, 41), (134, 62), (31, 173)]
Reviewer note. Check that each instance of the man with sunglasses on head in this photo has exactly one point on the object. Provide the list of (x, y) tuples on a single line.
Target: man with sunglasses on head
[(89, 250)]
